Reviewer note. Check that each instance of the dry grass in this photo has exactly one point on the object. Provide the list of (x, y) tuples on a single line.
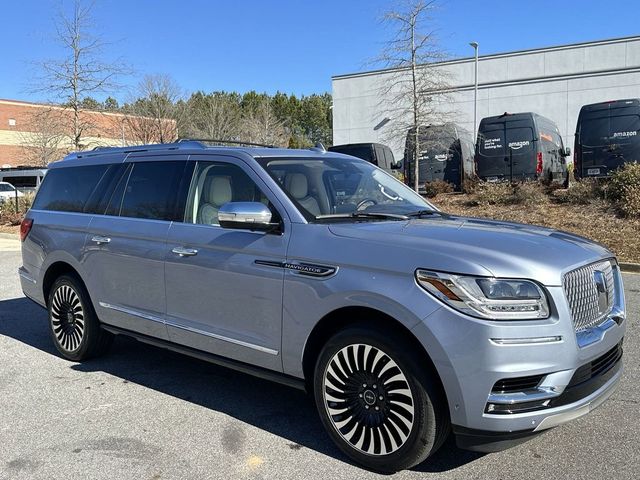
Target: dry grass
[(595, 220)]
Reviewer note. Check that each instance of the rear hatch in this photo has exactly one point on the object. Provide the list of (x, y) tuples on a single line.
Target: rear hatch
[(440, 156), (506, 148), (609, 137)]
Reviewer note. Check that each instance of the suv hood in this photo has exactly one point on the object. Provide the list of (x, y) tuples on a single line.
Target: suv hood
[(477, 247)]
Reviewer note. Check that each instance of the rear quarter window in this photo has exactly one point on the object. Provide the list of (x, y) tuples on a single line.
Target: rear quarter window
[(68, 189), (152, 190)]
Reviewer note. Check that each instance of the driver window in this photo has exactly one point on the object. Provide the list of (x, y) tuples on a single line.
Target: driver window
[(215, 184)]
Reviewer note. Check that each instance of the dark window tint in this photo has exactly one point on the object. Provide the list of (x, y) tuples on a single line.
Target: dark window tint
[(23, 182), (520, 140), (112, 204), (365, 152), (68, 189), (6, 187), (151, 190), (491, 143), (625, 129), (594, 132)]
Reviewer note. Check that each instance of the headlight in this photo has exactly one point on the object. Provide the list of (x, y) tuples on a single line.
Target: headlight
[(490, 298)]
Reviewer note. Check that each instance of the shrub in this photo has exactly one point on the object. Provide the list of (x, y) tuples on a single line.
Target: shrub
[(527, 193), (8, 214), (624, 189), (436, 187), (583, 192)]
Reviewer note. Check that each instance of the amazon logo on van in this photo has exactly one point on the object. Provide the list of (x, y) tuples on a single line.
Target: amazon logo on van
[(624, 134), (519, 145)]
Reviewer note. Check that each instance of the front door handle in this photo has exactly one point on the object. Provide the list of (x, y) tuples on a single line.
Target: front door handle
[(100, 239), (185, 252)]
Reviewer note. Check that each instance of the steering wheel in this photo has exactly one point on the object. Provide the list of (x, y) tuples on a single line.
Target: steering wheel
[(367, 202)]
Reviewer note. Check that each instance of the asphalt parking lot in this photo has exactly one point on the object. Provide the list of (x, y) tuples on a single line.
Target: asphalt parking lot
[(145, 413)]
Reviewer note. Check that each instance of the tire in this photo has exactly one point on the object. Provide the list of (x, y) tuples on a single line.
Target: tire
[(382, 425), (74, 326), (565, 183)]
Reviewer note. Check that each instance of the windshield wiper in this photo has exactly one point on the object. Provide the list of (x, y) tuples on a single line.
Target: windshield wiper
[(420, 213), (394, 216)]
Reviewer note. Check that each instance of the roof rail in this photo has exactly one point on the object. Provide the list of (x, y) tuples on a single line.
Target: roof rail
[(225, 142), (127, 149)]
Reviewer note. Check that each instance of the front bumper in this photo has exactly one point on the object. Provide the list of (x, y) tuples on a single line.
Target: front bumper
[(491, 441), (472, 355)]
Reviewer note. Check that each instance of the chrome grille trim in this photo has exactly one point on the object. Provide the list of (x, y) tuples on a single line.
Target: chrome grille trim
[(581, 292)]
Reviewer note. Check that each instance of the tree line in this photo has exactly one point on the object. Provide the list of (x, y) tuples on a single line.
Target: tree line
[(157, 110)]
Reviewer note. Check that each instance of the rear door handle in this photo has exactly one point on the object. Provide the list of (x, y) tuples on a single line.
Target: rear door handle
[(185, 252), (100, 239)]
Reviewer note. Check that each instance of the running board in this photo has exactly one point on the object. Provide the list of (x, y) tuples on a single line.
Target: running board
[(259, 372)]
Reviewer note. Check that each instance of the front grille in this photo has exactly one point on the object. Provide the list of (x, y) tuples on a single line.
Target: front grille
[(588, 305), (597, 367), (518, 384)]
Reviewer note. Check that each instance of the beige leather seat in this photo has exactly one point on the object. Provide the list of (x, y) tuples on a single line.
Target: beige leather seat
[(298, 186), (217, 193)]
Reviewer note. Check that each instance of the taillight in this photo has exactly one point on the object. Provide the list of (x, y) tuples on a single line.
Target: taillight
[(25, 228), (539, 164)]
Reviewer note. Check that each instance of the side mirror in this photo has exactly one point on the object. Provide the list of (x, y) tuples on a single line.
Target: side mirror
[(245, 215), (566, 152)]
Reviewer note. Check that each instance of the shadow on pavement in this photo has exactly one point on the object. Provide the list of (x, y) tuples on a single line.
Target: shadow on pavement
[(280, 410)]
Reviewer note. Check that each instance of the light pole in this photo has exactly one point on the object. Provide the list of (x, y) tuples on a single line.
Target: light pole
[(475, 90)]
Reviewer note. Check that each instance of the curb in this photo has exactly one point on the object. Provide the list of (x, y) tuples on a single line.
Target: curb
[(629, 267)]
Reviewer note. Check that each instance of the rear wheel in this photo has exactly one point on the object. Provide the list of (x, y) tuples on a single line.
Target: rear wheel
[(75, 328), (379, 406), (565, 183)]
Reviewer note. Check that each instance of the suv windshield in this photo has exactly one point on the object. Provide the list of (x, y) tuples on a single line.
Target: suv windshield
[(325, 188), (6, 187)]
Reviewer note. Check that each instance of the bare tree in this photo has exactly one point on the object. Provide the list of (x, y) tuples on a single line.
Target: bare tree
[(44, 140), (214, 116), (158, 112), (263, 126), (415, 92), (81, 72)]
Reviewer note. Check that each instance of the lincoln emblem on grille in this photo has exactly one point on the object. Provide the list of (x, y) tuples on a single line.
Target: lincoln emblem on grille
[(603, 293)]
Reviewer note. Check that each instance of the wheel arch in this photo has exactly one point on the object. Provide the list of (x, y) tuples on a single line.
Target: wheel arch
[(344, 317), (54, 271)]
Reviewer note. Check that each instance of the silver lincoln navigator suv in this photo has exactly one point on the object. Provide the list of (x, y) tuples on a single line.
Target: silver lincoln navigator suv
[(321, 271)]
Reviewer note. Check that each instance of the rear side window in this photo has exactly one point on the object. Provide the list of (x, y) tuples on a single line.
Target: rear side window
[(491, 143), (152, 190), (625, 128), (520, 139), (68, 189), (594, 132)]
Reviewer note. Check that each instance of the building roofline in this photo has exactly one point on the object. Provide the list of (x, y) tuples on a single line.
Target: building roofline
[(26, 103), (496, 55)]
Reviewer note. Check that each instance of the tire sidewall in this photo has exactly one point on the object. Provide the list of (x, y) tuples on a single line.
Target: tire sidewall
[(423, 436)]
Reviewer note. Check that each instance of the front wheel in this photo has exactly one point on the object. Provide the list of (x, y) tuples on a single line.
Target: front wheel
[(378, 404)]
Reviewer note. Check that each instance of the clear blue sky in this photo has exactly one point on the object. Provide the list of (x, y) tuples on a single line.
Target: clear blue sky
[(287, 45)]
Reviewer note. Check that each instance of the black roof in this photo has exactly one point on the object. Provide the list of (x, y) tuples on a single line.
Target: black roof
[(627, 102)]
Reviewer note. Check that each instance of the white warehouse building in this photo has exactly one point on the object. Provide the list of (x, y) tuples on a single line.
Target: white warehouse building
[(554, 82)]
